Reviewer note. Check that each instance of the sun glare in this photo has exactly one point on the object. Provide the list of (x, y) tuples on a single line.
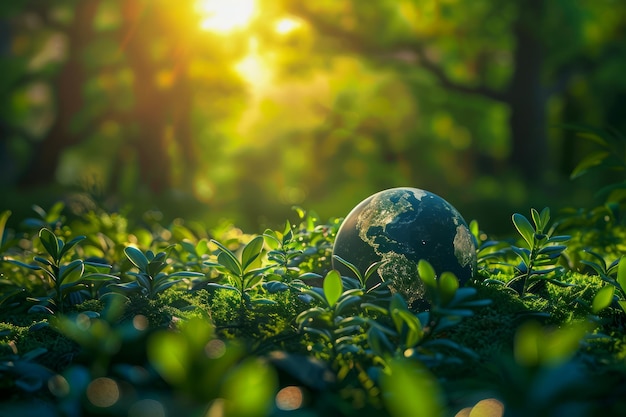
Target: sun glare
[(224, 16), (286, 25), (252, 68)]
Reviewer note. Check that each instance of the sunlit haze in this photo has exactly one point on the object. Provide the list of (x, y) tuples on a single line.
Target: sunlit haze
[(224, 16)]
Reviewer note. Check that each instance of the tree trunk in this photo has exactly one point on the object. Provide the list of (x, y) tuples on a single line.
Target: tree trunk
[(527, 99), (69, 100), (160, 111)]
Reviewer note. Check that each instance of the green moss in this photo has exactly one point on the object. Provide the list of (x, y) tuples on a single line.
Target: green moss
[(60, 350), (490, 331)]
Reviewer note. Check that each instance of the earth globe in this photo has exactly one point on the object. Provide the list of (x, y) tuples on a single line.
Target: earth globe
[(401, 226)]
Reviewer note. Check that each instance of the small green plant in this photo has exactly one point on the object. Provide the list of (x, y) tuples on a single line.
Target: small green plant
[(23, 372), (5, 243), (301, 249), (406, 330), (361, 277), (609, 157), (64, 278), (333, 320), (244, 276), (283, 252), (52, 218), (151, 279), (417, 335), (615, 275), (487, 250), (540, 253), (199, 366)]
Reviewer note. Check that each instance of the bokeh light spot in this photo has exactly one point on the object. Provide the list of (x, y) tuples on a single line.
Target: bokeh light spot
[(83, 322), (58, 386), (216, 409), (289, 398), (147, 408), (103, 392), (215, 349), (140, 322)]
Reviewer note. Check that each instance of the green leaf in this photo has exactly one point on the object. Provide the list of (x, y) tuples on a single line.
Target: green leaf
[(397, 303), (410, 390), (474, 229), (288, 234), (144, 280), (300, 211), (307, 315), (99, 276), (228, 259), (50, 242), (592, 160), (159, 288), (371, 269), (603, 298), (379, 342), (71, 272), (25, 265), (345, 302), (536, 219), (374, 307), (333, 287), (252, 281), (271, 239), (4, 216), (69, 245), (558, 239), (323, 333), (251, 252), (72, 287), (43, 261), (186, 274), (169, 354), (8, 294), (524, 228), (448, 284), (229, 262), (222, 287), (415, 332), (258, 381), (449, 344), (157, 263), (545, 217), (427, 273), (263, 302), (137, 258), (621, 274), (315, 294), (351, 267)]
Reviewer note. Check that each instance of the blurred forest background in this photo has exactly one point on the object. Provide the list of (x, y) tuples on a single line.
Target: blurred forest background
[(240, 109)]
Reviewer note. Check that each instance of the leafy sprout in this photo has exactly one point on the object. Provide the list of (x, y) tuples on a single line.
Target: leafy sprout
[(539, 253), (151, 278), (64, 278), (243, 276)]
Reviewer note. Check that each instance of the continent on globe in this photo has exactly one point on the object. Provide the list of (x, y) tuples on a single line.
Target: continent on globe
[(401, 226)]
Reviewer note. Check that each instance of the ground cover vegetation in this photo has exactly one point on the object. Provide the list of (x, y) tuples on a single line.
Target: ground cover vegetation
[(104, 315)]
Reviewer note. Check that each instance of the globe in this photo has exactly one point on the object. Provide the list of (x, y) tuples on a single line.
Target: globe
[(401, 226)]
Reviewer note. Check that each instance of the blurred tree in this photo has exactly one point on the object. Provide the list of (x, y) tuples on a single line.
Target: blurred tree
[(122, 74), (313, 103), (519, 53), (68, 83)]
